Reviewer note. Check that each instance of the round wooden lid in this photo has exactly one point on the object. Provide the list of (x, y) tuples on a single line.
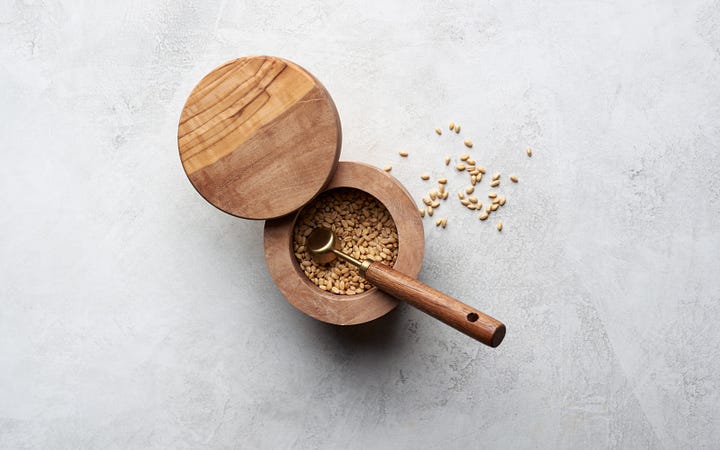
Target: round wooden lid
[(259, 137)]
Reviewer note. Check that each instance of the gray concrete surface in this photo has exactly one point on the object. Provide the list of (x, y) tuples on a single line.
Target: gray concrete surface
[(135, 315)]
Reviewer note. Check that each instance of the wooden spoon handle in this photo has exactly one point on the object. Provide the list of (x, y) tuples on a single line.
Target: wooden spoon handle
[(453, 312)]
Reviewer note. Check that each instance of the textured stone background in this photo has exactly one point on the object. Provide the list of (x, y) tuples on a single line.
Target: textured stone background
[(135, 315)]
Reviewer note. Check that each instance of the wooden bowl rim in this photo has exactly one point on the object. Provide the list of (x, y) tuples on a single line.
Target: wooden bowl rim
[(373, 303)]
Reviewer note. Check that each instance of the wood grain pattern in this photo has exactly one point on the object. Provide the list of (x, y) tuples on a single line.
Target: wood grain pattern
[(371, 304), (259, 137), (455, 313)]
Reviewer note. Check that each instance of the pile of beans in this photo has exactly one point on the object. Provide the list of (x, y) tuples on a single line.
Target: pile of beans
[(362, 226)]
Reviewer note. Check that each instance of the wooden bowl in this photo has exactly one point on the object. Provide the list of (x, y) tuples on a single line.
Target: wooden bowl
[(368, 305)]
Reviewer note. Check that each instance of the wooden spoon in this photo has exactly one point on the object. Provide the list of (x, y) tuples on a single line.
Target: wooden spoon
[(323, 246)]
